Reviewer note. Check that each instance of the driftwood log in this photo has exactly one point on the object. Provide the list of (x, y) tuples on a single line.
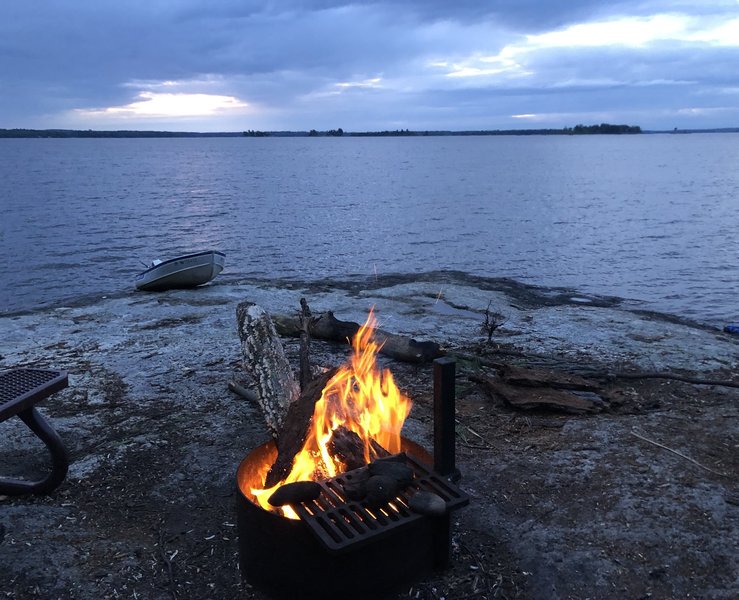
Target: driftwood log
[(327, 327), (264, 359), (520, 376), (528, 397)]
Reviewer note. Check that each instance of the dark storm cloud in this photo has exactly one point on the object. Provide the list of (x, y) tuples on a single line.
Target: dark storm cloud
[(299, 63)]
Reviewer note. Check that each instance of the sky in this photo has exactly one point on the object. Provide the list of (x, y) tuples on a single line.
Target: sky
[(236, 65)]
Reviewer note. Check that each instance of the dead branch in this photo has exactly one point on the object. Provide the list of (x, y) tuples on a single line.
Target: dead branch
[(492, 322), (246, 393), (327, 327), (305, 320), (693, 380), (594, 373), (680, 454)]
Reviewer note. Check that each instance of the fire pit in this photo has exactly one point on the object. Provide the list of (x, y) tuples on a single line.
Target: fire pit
[(372, 551), (336, 542)]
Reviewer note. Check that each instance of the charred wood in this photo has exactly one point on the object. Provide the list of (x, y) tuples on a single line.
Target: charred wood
[(295, 428), (294, 493), (346, 446)]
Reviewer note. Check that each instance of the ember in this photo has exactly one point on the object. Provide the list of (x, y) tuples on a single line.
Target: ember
[(357, 419)]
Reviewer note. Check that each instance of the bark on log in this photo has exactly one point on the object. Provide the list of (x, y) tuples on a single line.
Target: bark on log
[(295, 428), (264, 359), (328, 327)]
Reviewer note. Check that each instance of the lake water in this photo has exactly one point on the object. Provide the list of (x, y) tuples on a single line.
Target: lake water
[(653, 218)]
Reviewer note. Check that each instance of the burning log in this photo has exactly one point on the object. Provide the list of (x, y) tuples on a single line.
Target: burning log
[(327, 327), (295, 428), (265, 361), (348, 447), (310, 442), (292, 493)]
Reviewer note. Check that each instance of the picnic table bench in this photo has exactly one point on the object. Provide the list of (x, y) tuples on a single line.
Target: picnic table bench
[(20, 391)]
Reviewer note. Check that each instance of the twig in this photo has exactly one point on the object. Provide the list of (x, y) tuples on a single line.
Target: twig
[(600, 374), (236, 388), (464, 441), (167, 561), (693, 380), (680, 454), (475, 446)]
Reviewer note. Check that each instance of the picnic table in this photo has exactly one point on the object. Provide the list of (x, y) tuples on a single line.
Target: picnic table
[(20, 391)]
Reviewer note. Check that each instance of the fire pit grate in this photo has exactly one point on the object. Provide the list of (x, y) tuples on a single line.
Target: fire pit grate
[(341, 524)]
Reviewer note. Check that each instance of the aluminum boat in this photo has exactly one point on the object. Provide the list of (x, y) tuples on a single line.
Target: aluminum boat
[(185, 271)]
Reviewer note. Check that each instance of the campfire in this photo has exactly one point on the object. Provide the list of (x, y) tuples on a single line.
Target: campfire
[(338, 490), (357, 419)]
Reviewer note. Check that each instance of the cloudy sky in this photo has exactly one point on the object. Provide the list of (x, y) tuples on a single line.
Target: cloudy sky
[(232, 65)]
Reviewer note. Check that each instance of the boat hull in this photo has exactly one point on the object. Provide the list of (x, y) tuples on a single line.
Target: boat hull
[(188, 271)]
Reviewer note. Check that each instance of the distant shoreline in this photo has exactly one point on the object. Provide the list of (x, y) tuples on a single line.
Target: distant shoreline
[(590, 130), (603, 128)]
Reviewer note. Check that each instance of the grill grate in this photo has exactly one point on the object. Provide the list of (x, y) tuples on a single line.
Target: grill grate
[(341, 524)]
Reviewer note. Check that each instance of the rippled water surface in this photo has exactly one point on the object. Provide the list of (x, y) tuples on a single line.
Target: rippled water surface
[(651, 217)]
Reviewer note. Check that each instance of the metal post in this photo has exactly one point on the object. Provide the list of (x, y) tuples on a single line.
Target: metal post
[(444, 442), (444, 419)]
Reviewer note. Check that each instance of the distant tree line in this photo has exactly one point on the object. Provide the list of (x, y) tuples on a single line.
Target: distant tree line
[(397, 132), (603, 128), (331, 133)]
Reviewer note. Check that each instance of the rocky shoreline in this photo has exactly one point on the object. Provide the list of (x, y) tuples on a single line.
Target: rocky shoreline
[(563, 506)]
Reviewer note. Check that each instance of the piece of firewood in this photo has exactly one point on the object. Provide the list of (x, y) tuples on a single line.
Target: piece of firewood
[(305, 323), (346, 446), (264, 359), (295, 428), (328, 327)]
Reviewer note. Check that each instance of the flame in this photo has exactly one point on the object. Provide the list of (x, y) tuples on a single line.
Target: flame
[(361, 398)]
